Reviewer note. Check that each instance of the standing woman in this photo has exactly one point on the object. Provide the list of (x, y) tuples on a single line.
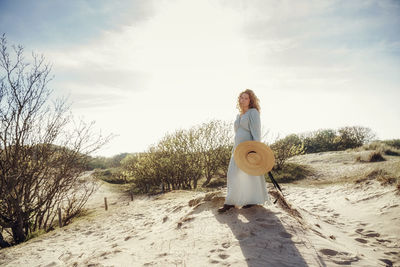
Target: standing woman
[(243, 189)]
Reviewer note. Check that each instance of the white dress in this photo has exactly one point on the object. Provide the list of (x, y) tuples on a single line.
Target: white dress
[(243, 188)]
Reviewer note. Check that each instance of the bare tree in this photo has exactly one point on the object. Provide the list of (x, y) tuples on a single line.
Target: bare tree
[(42, 155), (214, 145)]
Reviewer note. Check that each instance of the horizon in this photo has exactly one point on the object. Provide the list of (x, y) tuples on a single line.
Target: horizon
[(145, 69)]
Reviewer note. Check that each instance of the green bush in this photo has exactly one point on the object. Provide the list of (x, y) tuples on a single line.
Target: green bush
[(335, 140), (286, 148), (319, 141), (180, 159)]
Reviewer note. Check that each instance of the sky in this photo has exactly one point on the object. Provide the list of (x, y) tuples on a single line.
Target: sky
[(142, 69)]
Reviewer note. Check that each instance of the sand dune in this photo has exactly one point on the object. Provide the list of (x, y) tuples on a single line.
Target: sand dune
[(335, 224)]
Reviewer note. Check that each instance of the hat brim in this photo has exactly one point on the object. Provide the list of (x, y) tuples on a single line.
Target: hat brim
[(254, 158)]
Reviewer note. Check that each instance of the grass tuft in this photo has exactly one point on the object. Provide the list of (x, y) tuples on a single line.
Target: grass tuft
[(385, 147), (381, 176), (375, 157)]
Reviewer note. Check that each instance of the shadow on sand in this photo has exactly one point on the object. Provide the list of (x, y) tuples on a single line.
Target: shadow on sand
[(262, 237)]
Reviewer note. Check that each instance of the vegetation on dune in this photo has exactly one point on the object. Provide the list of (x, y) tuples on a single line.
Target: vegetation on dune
[(374, 156), (181, 159), (387, 147), (384, 177), (184, 158)]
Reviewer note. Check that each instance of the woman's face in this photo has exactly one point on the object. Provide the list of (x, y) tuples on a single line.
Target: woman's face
[(244, 100)]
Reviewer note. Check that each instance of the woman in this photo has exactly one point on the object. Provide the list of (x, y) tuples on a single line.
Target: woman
[(243, 189)]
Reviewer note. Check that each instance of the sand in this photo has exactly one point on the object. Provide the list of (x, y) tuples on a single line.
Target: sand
[(335, 224)]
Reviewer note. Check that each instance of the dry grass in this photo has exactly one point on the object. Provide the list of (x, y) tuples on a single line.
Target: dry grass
[(382, 176), (284, 204), (374, 156), (380, 146)]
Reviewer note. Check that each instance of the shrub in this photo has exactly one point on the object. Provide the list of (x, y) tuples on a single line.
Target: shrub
[(319, 141), (286, 148), (181, 158), (332, 140), (351, 137)]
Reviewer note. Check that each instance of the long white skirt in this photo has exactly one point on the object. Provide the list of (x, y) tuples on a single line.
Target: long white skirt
[(243, 188)]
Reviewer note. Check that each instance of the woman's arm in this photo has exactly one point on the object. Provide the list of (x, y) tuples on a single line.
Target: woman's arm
[(255, 124)]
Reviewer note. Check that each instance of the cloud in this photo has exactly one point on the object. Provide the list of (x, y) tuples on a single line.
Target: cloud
[(62, 23), (322, 45)]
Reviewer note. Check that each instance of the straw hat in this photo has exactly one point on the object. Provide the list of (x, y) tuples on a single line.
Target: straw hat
[(254, 158)]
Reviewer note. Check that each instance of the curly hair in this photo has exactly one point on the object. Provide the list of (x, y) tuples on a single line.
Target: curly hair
[(254, 101)]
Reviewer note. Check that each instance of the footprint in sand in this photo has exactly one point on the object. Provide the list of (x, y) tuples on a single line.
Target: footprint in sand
[(88, 233), (344, 258), (285, 235), (165, 219), (372, 234), (223, 256), (328, 252), (391, 253), (388, 262), (359, 231), (383, 241), (367, 233), (51, 264), (226, 245), (361, 240), (163, 254), (127, 238), (217, 250)]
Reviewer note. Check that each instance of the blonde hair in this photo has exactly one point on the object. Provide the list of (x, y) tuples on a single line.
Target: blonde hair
[(254, 101)]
